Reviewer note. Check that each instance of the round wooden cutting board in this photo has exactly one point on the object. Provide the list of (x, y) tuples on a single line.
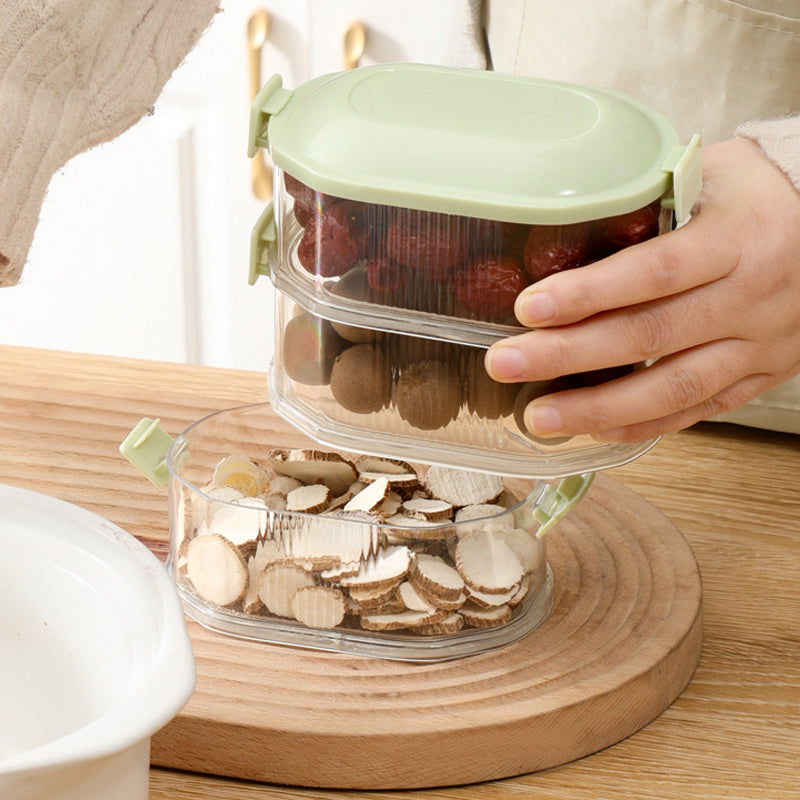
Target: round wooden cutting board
[(620, 644)]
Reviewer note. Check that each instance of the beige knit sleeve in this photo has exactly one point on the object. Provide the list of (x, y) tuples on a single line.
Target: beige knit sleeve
[(780, 141)]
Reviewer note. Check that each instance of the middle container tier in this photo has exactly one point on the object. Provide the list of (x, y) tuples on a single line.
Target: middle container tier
[(370, 359)]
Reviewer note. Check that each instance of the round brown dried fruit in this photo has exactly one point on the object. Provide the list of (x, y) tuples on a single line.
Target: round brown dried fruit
[(361, 379), (487, 397), (427, 395), (310, 346)]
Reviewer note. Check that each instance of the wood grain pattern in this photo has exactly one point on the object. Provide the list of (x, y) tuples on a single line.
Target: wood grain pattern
[(620, 644), (733, 733)]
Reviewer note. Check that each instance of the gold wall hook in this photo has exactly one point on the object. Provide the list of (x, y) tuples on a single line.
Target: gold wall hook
[(257, 33), (355, 40)]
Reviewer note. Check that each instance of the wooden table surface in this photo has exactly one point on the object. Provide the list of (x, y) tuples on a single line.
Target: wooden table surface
[(734, 493)]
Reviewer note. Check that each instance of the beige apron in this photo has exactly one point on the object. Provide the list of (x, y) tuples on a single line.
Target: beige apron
[(708, 65)]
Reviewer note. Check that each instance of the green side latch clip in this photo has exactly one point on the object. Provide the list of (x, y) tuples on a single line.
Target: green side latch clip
[(146, 447), (686, 166), (271, 98), (557, 501), (262, 237)]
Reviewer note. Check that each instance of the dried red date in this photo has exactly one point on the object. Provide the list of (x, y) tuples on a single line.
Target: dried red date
[(334, 241), (308, 197), (615, 233), (554, 248), (433, 244), (487, 289)]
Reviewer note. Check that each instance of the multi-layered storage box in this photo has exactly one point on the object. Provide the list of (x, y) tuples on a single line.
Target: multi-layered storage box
[(412, 204)]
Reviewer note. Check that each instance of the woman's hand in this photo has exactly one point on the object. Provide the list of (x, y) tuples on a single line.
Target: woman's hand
[(716, 301)]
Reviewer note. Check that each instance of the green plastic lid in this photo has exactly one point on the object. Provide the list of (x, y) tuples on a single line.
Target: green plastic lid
[(476, 143)]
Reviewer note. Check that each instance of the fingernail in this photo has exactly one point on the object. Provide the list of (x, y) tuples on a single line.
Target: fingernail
[(536, 308), (505, 363), (543, 418)]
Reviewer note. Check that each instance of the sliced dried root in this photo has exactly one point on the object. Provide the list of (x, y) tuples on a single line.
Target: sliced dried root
[(318, 606), (370, 497), (428, 509), (487, 515), (216, 569), (388, 564), (436, 577), (401, 619), (371, 597), (524, 547), (278, 584), (462, 488), (449, 625), (311, 499), (314, 466), (241, 473), (487, 563), (479, 617), (412, 599)]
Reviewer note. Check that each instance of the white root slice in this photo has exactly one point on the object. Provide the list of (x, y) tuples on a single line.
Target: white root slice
[(440, 602), (216, 569), (274, 502), (251, 603), (331, 539), (241, 521), (373, 596), (204, 505), (485, 600), (334, 574), (370, 497), (414, 528), (242, 473), (278, 585), (479, 617), (401, 619), (314, 466), (282, 484), (461, 487), (436, 577), (525, 547), (318, 606), (405, 483), (428, 509), (388, 564), (491, 515), (487, 563), (308, 499), (522, 592), (412, 599), (390, 505), (449, 625), (384, 466)]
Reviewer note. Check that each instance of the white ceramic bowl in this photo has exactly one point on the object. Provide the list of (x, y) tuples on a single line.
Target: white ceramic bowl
[(94, 653)]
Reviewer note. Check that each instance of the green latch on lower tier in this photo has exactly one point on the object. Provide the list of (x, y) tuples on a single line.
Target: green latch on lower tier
[(262, 237), (146, 447), (557, 501)]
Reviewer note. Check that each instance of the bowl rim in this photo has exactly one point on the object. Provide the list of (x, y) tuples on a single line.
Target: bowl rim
[(158, 694)]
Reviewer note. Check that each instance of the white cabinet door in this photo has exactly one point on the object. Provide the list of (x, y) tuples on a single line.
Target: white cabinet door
[(142, 248), (108, 270)]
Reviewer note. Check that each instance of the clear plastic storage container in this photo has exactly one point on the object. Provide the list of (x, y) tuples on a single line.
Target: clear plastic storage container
[(273, 538), (412, 205), (403, 513)]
